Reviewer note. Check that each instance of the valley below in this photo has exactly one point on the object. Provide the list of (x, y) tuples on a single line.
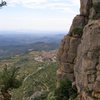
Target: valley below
[(38, 71), (36, 58)]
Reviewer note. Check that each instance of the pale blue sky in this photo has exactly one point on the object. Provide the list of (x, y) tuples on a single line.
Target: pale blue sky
[(38, 15)]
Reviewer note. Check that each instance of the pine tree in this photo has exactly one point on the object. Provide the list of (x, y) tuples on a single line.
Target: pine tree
[(3, 3)]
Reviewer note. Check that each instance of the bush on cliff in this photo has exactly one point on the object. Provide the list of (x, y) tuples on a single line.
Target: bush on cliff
[(64, 92), (97, 16), (77, 32), (97, 7)]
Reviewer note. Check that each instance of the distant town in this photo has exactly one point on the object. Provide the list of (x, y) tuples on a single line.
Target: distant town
[(46, 56)]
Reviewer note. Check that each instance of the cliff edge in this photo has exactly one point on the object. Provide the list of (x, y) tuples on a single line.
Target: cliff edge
[(79, 52)]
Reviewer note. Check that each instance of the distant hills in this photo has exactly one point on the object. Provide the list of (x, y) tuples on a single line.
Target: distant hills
[(16, 44)]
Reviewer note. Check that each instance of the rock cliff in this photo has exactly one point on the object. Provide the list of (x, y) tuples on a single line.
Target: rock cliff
[(79, 52)]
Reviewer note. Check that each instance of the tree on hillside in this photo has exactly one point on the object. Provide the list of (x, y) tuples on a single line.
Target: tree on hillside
[(3, 3), (8, 81)]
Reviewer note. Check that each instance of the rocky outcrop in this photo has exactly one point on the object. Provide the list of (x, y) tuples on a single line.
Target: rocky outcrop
[(85, 7), (86, 68), (79, 53)]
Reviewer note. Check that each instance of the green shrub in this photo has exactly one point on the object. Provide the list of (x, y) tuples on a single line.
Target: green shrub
[(8, 78), (51, 96), (65, 91), (8, 81), (95, 98), (97, 7), (77, 32), (97, 16)]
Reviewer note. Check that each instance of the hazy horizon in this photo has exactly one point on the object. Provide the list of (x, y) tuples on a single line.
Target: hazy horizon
[(33, 33), (38, 15)]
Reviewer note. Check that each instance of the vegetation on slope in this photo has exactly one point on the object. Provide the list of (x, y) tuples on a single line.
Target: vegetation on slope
[(64, 92), (38, 77), (8, 81)]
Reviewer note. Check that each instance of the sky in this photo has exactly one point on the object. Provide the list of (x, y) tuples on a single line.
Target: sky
[(38, 15)]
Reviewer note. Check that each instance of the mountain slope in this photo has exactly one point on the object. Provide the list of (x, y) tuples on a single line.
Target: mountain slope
[(37, 76)]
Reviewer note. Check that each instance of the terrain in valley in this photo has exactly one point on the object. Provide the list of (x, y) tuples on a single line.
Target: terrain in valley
[(38, 71), (36, 57)]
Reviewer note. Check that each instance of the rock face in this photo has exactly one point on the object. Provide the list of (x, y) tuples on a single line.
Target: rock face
[(85, 7), (79, 53)]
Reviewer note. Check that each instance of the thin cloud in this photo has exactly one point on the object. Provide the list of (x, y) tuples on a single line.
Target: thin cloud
[(25, 2), (61, 6), (41, 4)]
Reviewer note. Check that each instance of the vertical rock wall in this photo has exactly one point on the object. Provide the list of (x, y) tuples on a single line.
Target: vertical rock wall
[(79, 53)]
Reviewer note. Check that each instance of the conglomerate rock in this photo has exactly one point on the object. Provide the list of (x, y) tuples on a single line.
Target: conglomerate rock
[(79, 53)]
